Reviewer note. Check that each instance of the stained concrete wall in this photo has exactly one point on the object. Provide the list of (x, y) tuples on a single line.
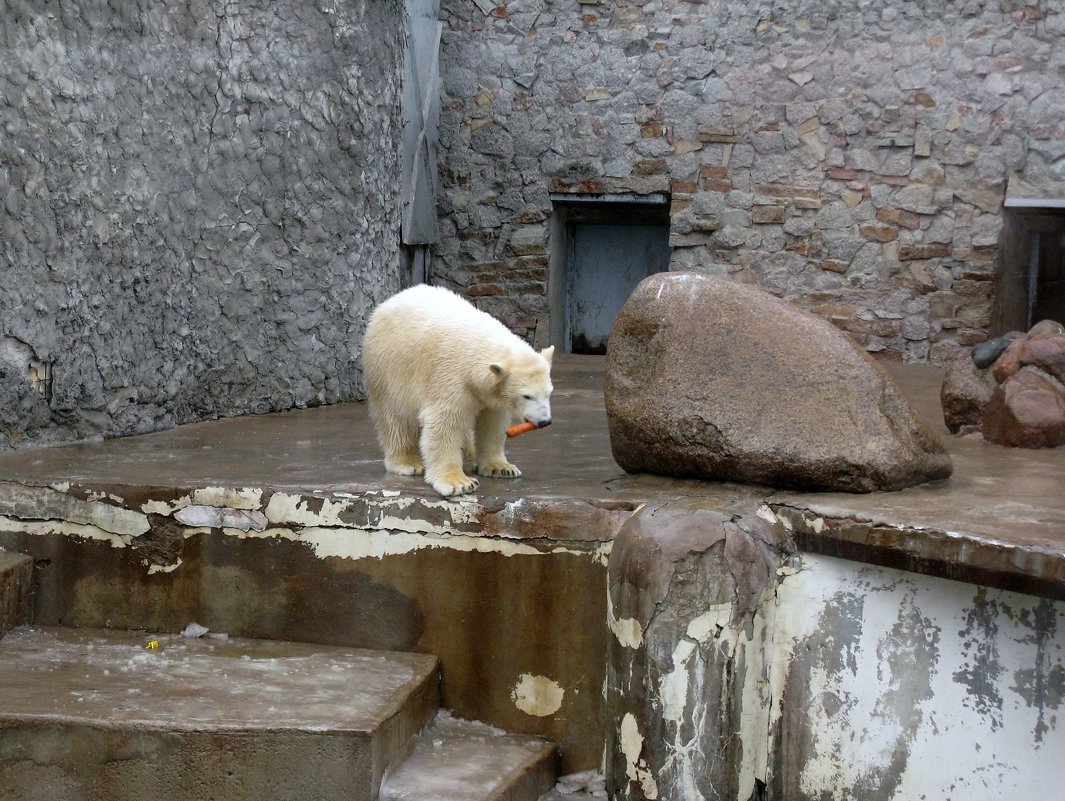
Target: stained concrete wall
[(511, 598), (198, 208), (902, 686), (851, 157), (840, 681)]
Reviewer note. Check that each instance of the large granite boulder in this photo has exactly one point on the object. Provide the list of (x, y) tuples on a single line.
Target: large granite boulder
[(712, 379)]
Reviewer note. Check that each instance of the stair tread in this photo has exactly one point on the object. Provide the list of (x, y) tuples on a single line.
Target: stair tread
[(460, 760), (109, 678)]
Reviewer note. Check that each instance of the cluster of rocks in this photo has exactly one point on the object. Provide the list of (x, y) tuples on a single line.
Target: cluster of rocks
[(1011, 390), (711, 379), (851, 158)]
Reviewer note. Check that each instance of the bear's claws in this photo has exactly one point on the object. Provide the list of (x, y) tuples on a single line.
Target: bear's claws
[(505, 470), (446, 488)]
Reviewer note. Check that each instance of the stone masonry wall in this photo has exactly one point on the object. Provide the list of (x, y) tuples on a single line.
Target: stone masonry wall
[(197, 207), (851, 157)]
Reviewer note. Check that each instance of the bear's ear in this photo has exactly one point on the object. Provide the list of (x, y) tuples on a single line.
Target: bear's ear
[(548, 354), (498, 370)]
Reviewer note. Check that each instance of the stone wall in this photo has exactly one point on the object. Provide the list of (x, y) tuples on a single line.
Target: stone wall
[(197, 207), (851, 157)]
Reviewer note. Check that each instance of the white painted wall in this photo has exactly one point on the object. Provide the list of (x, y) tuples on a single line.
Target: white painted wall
[(917, 687)]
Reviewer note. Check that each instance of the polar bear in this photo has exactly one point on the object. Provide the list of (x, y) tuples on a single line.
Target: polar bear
[(433, 362)]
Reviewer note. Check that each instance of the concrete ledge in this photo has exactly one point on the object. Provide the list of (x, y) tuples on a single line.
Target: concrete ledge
[(1029, 568)]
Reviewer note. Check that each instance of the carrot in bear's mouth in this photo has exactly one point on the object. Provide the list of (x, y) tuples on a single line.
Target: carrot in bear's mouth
[(518, 429)]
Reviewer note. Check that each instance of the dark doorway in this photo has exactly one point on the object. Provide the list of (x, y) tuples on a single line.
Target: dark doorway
[(1048, 267), (608, 247), (1031, 285)]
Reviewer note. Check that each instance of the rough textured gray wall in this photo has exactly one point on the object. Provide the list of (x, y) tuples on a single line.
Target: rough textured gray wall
[(197, 207), (851, 157)]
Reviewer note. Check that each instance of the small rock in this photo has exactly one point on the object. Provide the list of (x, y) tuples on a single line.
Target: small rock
[(985, 353), (1009, 362), (965, 394), (1046, 352), (1046, 328), (1028, 411)]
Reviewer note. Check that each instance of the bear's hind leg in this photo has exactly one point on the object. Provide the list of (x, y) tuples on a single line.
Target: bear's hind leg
[(443, 437), (491, 438), (399, 441)]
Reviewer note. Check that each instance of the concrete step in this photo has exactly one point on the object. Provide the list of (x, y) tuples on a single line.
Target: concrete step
[(459, 760), (93, 715), (16, 572)]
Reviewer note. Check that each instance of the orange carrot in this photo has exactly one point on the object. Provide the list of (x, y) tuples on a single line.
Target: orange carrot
[(518, 429)]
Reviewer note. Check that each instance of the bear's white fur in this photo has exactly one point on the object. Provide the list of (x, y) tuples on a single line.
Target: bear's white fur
[(437, 365)]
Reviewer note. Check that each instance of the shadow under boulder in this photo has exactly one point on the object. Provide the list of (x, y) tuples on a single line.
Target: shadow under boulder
[(711, 379)]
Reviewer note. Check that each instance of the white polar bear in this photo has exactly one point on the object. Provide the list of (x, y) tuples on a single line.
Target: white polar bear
[(434, 362)]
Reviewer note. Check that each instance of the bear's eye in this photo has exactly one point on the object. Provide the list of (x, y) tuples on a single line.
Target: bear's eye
[(527, 397)]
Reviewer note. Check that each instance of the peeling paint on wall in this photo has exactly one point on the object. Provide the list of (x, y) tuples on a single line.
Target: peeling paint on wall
[(165, 508), (38, 503), (44, 528), (370, 511), (906, 686), (632, 747), (348, 544), (349, 528), (628, 631), (538, 696), (246, 498)]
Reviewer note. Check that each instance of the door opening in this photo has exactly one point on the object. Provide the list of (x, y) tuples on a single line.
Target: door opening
[(604, 248), (1031, 284)]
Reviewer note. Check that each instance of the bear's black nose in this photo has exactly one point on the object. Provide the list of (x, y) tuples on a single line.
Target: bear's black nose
[(544, 423)]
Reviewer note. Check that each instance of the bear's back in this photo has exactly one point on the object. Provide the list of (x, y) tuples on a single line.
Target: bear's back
[(435, 310)]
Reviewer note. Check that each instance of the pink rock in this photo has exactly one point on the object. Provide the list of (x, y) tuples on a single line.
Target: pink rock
[(1009, 363), (1046, 328), (1046, 352), (1028, 411)]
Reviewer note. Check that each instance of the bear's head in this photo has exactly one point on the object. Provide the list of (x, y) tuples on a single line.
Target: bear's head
[(523, 385)]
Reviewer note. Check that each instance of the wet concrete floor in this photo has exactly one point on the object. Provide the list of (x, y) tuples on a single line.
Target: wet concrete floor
[(999, 520)]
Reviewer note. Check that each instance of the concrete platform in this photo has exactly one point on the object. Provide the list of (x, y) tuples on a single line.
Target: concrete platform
[(87, 714), (1000, 520)]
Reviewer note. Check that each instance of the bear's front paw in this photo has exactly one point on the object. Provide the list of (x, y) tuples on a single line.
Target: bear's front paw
[(501, 469), (454, 484)]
